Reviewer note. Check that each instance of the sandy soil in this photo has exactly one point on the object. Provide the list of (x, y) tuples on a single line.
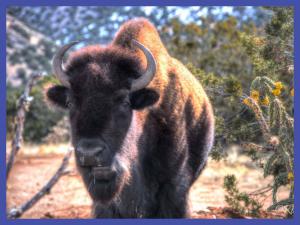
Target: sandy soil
[(68, 198)]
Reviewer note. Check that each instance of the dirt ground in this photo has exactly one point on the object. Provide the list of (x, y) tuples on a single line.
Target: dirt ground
[(68, 198)]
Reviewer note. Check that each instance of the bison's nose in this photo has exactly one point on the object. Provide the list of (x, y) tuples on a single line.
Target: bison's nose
[(91, 152)]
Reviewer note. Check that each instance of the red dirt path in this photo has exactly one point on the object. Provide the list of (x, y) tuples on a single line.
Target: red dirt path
[(68, 198)]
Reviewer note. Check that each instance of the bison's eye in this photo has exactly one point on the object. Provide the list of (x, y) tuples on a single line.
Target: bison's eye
[(125, 104), (69, 104)]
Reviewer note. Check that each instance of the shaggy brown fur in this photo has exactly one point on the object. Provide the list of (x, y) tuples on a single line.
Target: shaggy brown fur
[(158, 144), (184, 90)]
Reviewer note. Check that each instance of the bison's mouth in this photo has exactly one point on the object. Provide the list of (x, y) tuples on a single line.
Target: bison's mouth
[(103, 174), (104, 183)]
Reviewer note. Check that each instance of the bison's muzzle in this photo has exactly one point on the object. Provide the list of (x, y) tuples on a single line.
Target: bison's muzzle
[(105, 173), (93, 152)]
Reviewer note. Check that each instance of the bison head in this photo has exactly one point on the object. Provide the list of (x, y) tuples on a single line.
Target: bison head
[(101, 89)]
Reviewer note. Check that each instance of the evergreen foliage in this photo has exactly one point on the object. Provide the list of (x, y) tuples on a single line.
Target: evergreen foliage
[(240, 202), (272, 104)]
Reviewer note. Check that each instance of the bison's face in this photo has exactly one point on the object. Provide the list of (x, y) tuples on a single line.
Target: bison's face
[(101, 105)]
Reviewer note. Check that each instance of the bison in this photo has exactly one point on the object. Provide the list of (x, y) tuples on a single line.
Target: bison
[(141, 124)]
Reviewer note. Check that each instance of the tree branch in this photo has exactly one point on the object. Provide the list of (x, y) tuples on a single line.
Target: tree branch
[(23, 104), (15, 213)]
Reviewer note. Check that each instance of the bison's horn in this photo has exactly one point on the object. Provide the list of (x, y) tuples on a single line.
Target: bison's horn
[(148, 75), (57, 64)]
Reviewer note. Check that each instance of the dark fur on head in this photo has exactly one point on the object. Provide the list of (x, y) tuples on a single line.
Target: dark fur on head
[(111, 68), (100, 81)]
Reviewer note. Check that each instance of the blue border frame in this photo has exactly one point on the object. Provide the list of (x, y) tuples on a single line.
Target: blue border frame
[(6, 3)]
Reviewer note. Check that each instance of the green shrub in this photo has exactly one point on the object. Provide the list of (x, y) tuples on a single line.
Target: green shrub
[(276, 152), (39, 118), (240, 202)]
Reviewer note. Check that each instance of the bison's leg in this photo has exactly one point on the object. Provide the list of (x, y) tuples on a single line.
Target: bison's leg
[(200, 140), (173, 199)]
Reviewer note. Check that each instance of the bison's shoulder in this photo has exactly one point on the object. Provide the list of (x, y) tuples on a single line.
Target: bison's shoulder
[(143, 31)]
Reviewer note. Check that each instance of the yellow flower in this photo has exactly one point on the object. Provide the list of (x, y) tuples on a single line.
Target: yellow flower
[(292, 92), (290, 176), (276, 92), (258, 41), (265, 101), (255, 95), (278, 85), (246, 101)]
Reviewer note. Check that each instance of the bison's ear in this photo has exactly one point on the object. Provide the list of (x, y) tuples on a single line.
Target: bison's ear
[(143, 98), (58, 95)]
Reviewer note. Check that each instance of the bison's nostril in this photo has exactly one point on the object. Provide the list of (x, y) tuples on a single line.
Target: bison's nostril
[(90, 151), (90, 145), (99, 149)]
